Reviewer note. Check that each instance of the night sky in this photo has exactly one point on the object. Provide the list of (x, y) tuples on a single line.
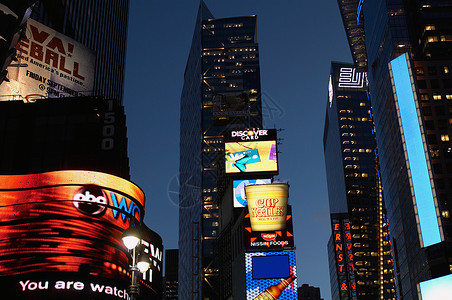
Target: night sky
[(297, 39)]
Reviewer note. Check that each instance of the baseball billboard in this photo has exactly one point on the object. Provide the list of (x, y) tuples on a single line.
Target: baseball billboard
[(50, 65)]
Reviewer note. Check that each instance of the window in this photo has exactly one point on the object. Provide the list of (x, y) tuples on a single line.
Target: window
[(431, 39), (419, 71), (444, 137), (424, 97), (446, 70), (449, 96), (430, 27), (436, 97), (362, 104)]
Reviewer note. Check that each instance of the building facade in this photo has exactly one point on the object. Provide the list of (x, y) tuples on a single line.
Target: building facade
[(171, 274), (361, 264), (99, 26), (413, 36), (221, 92)]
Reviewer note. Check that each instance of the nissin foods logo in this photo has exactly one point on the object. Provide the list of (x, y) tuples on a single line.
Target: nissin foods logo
[(93, 201)]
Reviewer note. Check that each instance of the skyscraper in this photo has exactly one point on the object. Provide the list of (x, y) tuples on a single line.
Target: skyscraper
[(99, 26), (408, 47), (221, 92), (361, 265)]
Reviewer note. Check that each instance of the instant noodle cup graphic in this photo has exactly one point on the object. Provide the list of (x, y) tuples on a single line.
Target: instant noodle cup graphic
[(267, 205)]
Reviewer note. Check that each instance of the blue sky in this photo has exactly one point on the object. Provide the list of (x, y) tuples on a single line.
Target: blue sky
[(297, 39)]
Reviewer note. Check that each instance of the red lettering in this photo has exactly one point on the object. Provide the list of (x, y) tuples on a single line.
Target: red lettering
[(350, 256), (36, 51), (51, 56), (76, 74), (340, 257), (352, 266), (40, 37), (62, 65), (353, 285), (341, 268), (22, 46), (343, 287), (348, 236), (336, 226), (347, 226), (338, 247), (56, 43), (349, 246), (338, 237)]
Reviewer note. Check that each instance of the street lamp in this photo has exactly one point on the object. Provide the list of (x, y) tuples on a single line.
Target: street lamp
[(140, 260)]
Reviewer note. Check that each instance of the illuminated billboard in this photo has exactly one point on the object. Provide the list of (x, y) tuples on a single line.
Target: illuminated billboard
[(60, 235), (50, 65), (278, 239), (251, 151), (416, 152), (239, 196), (342, 243), (436, 289), (267, 205), (266, 269)]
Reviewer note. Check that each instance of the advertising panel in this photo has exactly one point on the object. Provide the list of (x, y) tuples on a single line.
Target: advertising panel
[(271, 273), (278, 239), (251, 151), (267, 205), (436, 289), (239, 196), (50, 65), (61, 233), (345, 267)]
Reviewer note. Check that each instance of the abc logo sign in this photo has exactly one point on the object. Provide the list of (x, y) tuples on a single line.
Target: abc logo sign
[(91, 200)]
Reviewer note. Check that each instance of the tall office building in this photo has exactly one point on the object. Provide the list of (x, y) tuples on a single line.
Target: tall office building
[(100, 26), (361, 265), (409, 48), (171, 274), (221, 92)]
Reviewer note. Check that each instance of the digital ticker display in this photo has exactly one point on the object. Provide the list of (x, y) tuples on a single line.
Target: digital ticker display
[(256, 285), (251, 151), (60, 235)]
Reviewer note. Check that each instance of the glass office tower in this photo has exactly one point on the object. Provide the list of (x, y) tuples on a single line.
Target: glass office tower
[(221, 92), (360, 257), (99, 26), (413, 37)]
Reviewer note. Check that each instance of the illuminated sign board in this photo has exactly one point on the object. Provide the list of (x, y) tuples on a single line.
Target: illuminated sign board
[(279, 239), (267, 205), (342, 243), (68, 224), (50, 65), (239, 196), (251, 151), (436, 289), (270, 269), (416, 153)]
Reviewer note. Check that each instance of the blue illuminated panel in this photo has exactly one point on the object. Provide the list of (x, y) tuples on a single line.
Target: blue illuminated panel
[(436, 289), (423, 190), (255, 286)]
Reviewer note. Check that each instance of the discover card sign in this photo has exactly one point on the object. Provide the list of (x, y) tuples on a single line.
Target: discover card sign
[(50, 65)]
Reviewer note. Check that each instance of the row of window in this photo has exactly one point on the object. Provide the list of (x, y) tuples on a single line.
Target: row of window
[(435, 96), (432, 70), (357, 150)]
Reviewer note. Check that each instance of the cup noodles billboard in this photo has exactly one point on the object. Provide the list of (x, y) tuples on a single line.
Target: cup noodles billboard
[(50, 65), (251, 151), (267, 205), (60, 235)]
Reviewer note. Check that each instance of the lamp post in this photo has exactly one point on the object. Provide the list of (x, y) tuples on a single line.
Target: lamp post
[(140, 260)]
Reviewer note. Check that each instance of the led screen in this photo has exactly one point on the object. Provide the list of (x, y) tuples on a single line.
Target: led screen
[(239, 190), (415, 151), (254, 287), (61, 233), (436, 289), (279, 266), (249, 157)]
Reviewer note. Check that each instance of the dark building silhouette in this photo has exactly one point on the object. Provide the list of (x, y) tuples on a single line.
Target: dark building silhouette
[(221, 92), (171, 274), (411, 41), (361, 264), (307, 292)]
